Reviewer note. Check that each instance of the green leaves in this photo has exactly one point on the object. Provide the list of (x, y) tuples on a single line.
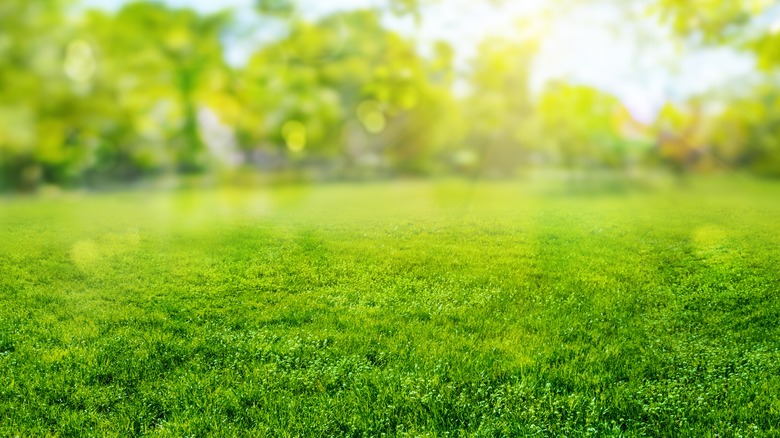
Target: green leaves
[(146, 90), (276, 8)]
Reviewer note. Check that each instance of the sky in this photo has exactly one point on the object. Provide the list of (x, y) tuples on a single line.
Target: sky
[(634, 60)]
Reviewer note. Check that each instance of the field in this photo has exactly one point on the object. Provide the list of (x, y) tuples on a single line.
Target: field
[(409, 309)]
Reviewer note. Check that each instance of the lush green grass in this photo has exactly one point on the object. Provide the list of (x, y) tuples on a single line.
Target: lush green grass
[(398, 309)]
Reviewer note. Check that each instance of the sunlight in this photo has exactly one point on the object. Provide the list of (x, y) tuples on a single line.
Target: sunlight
[(80, 63)]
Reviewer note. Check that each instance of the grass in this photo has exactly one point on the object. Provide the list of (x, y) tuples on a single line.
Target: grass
[(407, 309)]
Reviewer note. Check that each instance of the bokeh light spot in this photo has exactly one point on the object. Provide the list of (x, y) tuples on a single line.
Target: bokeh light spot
[(371, 116), (80, 63), (294, 133)]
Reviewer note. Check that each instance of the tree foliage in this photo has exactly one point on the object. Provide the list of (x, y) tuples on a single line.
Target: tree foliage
[(103, 96)]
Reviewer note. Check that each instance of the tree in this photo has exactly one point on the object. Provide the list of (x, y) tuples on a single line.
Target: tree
[(713, 21), (346, 87), (581, 126), (40, 68), (500, 105), (172, 61), (746, 133)]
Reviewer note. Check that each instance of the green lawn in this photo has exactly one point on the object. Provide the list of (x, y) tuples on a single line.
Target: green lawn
[(400, 309)]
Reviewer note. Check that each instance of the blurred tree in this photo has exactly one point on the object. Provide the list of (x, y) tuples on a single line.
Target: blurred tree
[(680, 136), (276, 8), (582, 129), (345, 86), (747, 132), (166, 64), (744, 133), (745, 24), (500, 106), (713, 21), (96, 96), (35, 95)]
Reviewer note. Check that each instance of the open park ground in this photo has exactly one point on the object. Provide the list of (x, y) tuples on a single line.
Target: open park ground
[(414, 308)]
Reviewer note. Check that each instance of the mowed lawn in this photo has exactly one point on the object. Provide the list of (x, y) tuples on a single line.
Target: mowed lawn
[(404, 309)]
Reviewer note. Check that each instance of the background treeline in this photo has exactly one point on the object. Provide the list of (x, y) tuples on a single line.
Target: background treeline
[(91, 97)]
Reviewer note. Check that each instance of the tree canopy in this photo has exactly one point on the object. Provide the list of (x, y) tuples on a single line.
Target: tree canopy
[(98, 96)]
